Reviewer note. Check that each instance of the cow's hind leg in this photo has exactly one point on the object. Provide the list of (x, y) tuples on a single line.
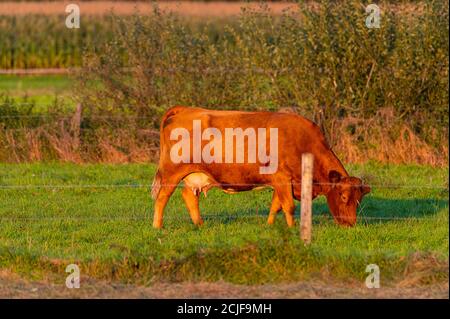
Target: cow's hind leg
[(191, 201), (168, 185), (275, 207), (284, 193)]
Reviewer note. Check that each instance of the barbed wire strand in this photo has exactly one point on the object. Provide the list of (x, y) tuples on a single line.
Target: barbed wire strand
[(361, 217), (71, 116), (29, 129), (205, 217), (224, 186)]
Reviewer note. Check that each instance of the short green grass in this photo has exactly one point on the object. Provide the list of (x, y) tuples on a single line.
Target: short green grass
[(41, 89), (33, 82), (104, 225)]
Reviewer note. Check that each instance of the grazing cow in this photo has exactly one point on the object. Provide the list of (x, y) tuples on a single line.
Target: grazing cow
[(197, 147)]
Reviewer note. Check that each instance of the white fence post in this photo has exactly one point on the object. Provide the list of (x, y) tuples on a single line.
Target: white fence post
[(306, 200)]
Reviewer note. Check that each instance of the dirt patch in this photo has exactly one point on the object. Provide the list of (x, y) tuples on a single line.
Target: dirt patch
[(12, 286)]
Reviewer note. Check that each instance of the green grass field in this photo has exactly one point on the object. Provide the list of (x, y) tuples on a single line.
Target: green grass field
[(99, 216), (40, 89), (16, 83)]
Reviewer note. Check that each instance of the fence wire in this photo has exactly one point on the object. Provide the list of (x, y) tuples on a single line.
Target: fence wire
[(180, 185), (320, 217), (67, 117), (261, 210)]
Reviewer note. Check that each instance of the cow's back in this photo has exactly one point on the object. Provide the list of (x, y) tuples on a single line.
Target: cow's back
[(296, 135)]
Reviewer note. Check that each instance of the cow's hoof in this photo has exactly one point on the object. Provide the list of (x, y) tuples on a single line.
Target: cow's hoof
[(198, 223), (157, 225), (291, 224)]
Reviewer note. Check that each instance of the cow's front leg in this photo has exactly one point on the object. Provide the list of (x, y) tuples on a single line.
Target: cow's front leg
[(167, 188), (275, 207), (191, 201), (284, 193)]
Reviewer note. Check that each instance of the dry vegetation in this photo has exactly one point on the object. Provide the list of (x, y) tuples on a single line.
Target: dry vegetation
[(404, 146), (64, 141), (15, 287)]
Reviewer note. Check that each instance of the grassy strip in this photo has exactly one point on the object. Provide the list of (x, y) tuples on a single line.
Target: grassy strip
[(258, 263), (42, 91), (16, 84)]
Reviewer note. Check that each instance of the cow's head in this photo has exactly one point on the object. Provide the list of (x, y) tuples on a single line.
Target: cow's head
[(344, 197)]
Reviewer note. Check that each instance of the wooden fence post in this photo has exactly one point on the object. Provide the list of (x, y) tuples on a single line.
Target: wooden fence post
[(306, 200), (75, 126)]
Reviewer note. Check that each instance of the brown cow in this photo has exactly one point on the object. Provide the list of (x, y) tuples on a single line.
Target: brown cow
[(201, 169)]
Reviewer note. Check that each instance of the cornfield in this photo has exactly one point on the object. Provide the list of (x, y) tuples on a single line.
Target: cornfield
[(45, 42)]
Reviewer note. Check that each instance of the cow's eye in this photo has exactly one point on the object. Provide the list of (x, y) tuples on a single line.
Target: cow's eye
[(344, 197)]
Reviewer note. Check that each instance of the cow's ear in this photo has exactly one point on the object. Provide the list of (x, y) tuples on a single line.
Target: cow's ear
[(334, 177), (365, 189)]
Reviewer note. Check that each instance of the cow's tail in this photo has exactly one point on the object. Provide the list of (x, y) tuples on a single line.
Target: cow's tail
[(156, 185)]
